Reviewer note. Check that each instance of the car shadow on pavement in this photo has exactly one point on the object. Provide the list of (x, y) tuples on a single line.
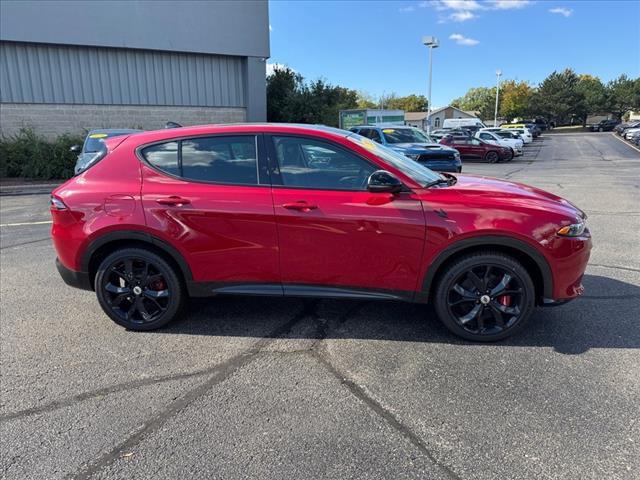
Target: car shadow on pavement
[(606, 317)]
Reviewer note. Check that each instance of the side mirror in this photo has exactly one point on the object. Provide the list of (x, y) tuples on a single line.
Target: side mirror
[(382, 181), (75, 148)]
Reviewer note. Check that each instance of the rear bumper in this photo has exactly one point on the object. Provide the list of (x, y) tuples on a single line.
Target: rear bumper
[(73, 278)]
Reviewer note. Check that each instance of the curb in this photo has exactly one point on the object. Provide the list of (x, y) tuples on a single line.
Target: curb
[(28, 189)]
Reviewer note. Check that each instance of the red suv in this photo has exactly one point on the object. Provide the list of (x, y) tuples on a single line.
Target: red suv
[(472, 147), (296, 210)]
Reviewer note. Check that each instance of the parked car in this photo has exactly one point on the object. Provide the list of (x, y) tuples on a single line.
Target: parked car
[(635, 137), (472, 124), (492, 137), (523, 132), (604, 126), (89, 151), (474, 148), (629, 132), (415, 144), (185, 212), (532, 130), (542, 124), (620, 129)]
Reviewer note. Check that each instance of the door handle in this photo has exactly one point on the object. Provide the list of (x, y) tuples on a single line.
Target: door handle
[(173, 201), (300, 206)]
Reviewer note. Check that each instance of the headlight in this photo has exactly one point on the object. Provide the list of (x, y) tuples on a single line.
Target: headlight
[(413, 156), (573, 230), (456, 154)]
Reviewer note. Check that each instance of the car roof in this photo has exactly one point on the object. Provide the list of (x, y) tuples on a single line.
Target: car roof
[(113, 130), (232, 128)]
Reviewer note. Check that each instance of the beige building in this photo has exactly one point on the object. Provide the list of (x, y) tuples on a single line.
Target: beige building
[(419, 119)]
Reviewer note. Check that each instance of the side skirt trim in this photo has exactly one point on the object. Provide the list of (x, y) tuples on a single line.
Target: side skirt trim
[(212, 289)]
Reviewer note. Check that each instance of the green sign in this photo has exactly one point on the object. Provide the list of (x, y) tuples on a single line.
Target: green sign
[(351, 119)]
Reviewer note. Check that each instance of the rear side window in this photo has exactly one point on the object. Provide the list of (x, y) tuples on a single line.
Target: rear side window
[(163, 156), (227, 160), (231, 160)]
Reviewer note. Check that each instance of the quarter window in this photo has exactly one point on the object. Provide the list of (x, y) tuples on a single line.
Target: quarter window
[(163, 156), (316, 164)]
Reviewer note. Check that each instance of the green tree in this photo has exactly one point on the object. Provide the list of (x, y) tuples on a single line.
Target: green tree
[(291, 99), (410, 103), (515, 99), (284, 87), (366, 100), (623, 95), (558, 98), (480, 99), (596, 98)]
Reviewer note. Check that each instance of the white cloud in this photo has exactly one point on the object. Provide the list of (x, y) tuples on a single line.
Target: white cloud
[(410, 8), (462, 40), (462, 16), (566, 12), (509, 4), (460, 5), (272, 67), (463, 10)]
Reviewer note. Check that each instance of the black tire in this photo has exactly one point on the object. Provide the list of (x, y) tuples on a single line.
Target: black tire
[(511, 155), (476, 311), (138, 289), (492, 156), (601, 129)]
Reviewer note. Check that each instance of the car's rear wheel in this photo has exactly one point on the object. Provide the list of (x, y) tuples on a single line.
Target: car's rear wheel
[(492, 156), (601, 129), (138, 289), (485, 297)]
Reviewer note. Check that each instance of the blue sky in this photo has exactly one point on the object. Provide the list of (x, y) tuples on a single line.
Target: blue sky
[(375, 46)]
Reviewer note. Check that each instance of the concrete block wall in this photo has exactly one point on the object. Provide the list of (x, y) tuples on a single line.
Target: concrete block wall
[(52, 120)]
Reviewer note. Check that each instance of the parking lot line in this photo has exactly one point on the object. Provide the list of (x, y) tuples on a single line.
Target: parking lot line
[(626, 143), (23, 224)]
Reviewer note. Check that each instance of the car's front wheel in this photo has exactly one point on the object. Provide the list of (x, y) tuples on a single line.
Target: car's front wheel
[(485, 296), (138, 289)]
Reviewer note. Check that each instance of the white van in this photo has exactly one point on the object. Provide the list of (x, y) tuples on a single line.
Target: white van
[(472, 123)]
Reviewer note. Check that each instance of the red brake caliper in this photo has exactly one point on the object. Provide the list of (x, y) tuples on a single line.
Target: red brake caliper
[(505, 300)]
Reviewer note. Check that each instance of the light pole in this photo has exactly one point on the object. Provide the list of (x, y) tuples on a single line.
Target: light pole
[(495, 116), (431, 42)]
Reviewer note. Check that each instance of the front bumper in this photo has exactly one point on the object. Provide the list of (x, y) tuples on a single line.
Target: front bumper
[(72, 278)]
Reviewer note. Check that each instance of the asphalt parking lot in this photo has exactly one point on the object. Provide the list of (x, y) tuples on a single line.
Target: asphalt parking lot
[(288, 388)]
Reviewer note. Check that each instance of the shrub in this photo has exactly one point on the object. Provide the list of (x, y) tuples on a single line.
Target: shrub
[(28, 155)]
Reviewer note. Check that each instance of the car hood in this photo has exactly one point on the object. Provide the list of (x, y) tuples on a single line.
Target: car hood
[(418, 148), (502, 192)]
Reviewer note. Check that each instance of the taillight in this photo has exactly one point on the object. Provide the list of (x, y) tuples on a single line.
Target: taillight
[(57, 204)]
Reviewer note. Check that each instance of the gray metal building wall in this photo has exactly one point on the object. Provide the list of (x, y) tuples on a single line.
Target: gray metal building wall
[(74, 64), (40, 73)]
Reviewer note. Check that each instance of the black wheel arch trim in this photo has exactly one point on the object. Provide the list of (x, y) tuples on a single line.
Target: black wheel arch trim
[(139, 236), (489, 241)]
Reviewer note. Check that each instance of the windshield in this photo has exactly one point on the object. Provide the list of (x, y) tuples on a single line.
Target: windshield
[(419, 173), (405, 135)]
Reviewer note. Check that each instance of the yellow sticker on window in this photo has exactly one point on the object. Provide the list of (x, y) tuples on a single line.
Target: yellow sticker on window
[(388, 130), (368, 144), (98, 135)]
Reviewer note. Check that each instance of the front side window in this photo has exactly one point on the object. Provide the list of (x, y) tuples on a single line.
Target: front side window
[(418, 172), (309, 163)]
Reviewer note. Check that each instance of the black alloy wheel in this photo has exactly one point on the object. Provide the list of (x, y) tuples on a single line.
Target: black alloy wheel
[(485, 297), (492, 156), (138, 289)]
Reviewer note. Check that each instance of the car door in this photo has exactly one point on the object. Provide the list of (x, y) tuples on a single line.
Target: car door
[(335, 236), (210, 197)]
